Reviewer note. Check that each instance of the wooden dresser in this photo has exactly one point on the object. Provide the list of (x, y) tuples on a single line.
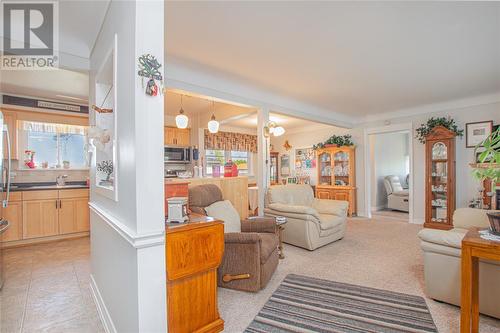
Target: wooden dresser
[(193, 251)]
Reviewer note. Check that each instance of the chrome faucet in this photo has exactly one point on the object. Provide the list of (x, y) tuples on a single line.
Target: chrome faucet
[(61, 180)]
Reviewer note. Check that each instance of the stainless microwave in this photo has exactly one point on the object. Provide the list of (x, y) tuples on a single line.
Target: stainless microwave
[(177, 154)]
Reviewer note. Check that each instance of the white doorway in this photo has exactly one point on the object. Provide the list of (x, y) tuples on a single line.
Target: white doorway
[(388, 172)]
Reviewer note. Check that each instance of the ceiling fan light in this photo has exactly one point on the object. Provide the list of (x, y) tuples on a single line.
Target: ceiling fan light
[(277, 131), (181, 120)]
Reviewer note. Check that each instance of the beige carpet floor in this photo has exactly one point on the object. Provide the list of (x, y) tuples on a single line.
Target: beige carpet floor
[(378, 253)]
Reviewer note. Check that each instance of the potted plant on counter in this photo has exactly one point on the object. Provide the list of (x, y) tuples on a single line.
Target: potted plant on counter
[(488, 167)]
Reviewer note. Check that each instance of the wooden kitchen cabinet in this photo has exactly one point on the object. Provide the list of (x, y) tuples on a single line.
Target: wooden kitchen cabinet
[(176, 136), (49, 213), (73, 215), (40, 218), (10, 119), (14, 214)]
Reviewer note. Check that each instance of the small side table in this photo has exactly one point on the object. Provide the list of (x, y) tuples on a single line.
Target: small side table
[(473, 248), (281, 226)]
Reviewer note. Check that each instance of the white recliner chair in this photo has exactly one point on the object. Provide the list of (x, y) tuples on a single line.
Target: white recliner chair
[(397, 197), (312, 222), (442, 263)]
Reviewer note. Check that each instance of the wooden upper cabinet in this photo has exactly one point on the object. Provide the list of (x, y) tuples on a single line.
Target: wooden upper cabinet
[(10, 119), (177, 136)]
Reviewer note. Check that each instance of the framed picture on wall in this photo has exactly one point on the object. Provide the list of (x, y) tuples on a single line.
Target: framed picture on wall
[(477, 132)]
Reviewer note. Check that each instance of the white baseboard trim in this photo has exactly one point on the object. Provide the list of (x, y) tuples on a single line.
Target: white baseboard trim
[(136, 240), (107, 322), (377, 208), (417, 221)]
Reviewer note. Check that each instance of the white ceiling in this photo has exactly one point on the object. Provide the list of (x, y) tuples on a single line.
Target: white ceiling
[(79, 24), (230, 116), (58, 84), (357, 58)]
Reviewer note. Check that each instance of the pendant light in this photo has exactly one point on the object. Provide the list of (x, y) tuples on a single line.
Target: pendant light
[(213, 125), (181, 120)]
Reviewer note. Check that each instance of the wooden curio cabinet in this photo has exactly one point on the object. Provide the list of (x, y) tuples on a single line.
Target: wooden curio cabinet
[(440, 178), (336, 175), (273, 165)]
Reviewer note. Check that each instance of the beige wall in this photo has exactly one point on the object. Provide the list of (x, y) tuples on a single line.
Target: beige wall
[(305, 138), (466, 185)]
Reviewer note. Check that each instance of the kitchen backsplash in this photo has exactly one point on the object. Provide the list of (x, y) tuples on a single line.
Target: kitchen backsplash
[(31, 176)]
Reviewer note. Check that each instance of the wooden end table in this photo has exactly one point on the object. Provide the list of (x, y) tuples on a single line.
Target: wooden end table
[(473, 248)]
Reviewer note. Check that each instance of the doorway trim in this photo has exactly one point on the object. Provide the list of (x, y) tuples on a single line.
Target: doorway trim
[(403, 127)]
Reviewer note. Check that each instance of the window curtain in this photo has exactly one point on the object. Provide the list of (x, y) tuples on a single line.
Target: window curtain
[(231, 141), (52, 128)]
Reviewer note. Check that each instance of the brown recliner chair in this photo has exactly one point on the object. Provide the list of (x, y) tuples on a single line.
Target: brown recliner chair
[(250, 257)]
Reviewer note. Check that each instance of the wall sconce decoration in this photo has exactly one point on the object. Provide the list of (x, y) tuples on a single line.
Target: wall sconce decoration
[(149, 68), (287, 145), (274, 129)]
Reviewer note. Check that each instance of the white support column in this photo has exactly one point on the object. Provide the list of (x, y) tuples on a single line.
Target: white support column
[(262, 156)]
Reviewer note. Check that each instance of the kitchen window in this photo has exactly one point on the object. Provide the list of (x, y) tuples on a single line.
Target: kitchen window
[(52, 145), (241, 158)]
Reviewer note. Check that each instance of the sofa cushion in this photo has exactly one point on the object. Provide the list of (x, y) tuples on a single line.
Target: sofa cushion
[(294, 209), (467, 218), (328, 221), (451, 238), (224, 211), (291, 194), (269, 243), (402, 193), (204, 195), (332, 207)]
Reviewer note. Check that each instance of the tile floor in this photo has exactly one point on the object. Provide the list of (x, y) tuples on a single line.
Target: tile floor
[(47, 289)]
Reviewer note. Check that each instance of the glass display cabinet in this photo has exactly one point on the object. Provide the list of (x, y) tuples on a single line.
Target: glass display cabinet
[(440, 178), (336, 175)]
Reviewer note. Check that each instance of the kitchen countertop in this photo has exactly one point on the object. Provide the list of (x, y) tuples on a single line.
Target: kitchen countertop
[(17, 187)]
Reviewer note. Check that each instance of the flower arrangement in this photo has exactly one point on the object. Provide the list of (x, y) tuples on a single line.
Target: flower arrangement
[(106, 167), (335, 140), (446, 122)]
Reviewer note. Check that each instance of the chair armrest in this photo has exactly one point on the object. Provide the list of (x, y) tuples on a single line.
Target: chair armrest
[(259, 224), (296, 209), (241, 238), (450, 238), (332, 207)]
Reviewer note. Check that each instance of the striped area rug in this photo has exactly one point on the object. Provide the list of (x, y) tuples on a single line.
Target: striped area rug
[(305, 304)]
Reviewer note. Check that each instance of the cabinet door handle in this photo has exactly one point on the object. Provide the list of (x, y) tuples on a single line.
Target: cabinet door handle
[(60, 204), (56, 204)]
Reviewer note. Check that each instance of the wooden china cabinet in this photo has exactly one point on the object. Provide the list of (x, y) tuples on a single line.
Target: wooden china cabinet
[(336, 175), (273, 165), (440, 178)]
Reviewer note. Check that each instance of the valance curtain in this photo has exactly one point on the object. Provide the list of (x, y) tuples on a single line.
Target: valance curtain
[(52, 128), (231, 141)]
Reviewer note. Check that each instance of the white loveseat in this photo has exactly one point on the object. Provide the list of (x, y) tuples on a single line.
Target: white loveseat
[(442, 263), (312, 222)]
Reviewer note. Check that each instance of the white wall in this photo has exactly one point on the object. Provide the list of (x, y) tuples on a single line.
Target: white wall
[(466, 185), (304, 138), (389, 152), (127, 235)]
